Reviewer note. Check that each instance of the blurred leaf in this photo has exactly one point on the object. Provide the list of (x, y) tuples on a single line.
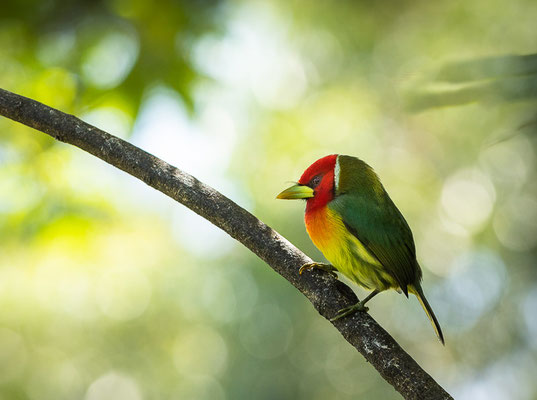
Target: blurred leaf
[(488, 68), (491, 79)]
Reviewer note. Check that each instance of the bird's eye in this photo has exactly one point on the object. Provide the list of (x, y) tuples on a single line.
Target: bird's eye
[(315, 181)]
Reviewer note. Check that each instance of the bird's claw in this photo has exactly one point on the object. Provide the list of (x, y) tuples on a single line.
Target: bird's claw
[(306, 267), (325, 267), (350, 310)]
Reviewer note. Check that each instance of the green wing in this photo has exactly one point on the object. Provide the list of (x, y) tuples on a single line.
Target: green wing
[(377, 223)]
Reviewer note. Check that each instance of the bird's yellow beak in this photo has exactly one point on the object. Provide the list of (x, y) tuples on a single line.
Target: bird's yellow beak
[(296, 192)]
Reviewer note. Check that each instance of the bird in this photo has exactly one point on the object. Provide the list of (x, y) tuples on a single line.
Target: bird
[(353, 221)]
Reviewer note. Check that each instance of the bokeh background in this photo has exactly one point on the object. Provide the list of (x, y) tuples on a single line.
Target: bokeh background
[(109, 290)]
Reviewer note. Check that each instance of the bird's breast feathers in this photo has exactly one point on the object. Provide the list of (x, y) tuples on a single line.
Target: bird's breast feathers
[(344, 251)]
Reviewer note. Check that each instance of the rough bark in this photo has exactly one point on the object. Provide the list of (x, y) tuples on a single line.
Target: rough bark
[(327, 294)]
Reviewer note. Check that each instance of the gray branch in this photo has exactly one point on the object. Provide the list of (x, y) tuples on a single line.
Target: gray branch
[(327, 294)]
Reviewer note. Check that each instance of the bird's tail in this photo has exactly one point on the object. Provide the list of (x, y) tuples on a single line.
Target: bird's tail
[(418, 291)]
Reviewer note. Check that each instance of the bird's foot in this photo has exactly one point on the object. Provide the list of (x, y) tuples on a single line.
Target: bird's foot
[(360, 306), (325, 267)]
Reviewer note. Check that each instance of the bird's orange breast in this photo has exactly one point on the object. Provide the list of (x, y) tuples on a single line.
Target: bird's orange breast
[(326, 230)]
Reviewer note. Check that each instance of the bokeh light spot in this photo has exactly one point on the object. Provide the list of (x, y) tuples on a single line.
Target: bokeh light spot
[(114, 386), (110, 60), (468, 198), (515, 223), (509, 162), (123, 293), (200, 351), (268, 333)]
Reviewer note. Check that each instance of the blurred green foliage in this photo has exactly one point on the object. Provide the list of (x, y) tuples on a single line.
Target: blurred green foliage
[(108, 290), (499, 79)]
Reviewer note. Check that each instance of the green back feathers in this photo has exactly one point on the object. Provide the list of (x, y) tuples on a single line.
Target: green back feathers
[(372, 217)]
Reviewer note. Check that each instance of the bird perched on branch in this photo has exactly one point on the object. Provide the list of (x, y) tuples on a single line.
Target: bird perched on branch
[(358, 228)]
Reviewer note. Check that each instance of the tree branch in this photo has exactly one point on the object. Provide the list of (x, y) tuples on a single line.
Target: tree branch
[(327, 294)]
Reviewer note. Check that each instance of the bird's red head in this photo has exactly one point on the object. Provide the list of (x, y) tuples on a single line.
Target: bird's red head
[(316, 185), (320, 177)]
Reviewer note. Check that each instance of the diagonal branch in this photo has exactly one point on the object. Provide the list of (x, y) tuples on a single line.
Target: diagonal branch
[(327, 294)]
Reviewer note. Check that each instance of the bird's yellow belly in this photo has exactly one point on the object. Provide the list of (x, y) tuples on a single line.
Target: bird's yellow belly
[(345, 252)]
